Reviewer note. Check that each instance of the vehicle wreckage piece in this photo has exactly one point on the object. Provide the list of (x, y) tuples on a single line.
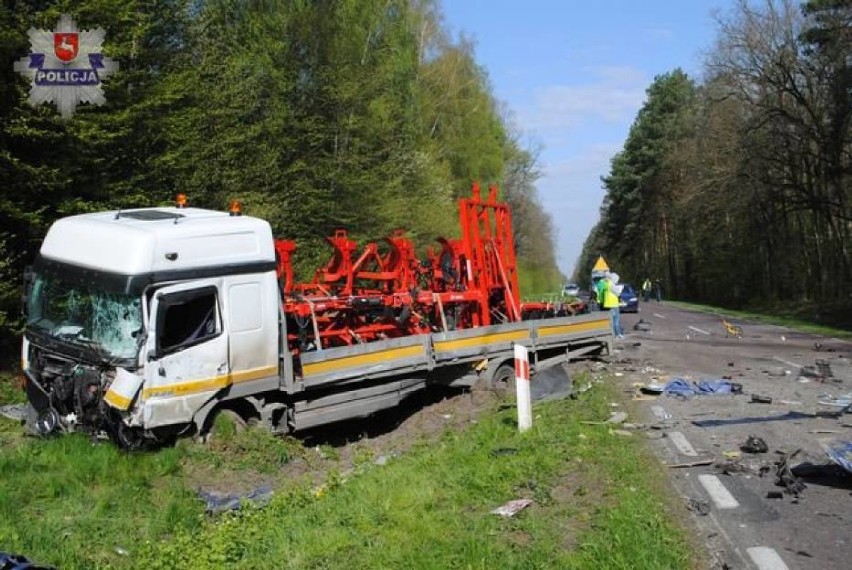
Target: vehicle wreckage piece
[(839, 451)]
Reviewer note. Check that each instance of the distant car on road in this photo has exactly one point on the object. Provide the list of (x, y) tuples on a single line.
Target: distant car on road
[(628, 301), (571, 290)]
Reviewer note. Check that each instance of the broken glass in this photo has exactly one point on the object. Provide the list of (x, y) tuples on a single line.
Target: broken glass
[(85, 314)]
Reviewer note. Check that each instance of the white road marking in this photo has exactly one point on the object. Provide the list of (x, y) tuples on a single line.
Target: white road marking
[(766, 558), (718, 492), (696, 329), (660, 413), (659, 316), (681, 443), (787, 362)]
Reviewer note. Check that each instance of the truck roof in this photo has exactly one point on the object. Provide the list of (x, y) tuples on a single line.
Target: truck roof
[(145, 240)]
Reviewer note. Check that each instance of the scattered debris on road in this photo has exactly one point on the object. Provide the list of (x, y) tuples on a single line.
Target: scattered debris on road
[(824, 370), (698, 506), (803, 394), (696, 463), (784, 476), (653, 388), (754, 444), (732, 330), (684, 389), (843, 403), (839, 451), (733, 466)]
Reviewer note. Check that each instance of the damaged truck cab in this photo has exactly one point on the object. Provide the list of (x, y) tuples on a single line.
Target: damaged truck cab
[(135, 318)]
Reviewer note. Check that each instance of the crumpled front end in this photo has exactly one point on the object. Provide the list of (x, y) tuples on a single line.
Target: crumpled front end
[(74, 395)]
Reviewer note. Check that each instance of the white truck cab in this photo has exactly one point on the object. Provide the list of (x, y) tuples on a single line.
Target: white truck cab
[(136, 318)]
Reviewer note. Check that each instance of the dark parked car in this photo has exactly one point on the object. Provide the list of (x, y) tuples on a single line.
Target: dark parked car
[(628, 301)]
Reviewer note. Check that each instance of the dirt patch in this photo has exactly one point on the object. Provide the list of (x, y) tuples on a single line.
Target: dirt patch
[(201, 477), (579, 492), (519, 539), (340, 448)]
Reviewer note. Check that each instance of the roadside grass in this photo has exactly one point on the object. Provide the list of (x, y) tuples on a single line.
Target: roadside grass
[(10, 393), (597, 501), (596, 505), (789, 318), (10, 390), (253, 448), (75, 504)]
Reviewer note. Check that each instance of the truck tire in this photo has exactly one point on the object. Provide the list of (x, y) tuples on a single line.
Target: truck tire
[(128, 438), (503, 379), (225, 423)]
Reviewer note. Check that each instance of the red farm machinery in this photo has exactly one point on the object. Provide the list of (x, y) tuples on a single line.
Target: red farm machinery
[(386, 291)]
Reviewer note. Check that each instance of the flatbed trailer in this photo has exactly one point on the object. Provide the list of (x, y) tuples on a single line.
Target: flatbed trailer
[(392, 369)]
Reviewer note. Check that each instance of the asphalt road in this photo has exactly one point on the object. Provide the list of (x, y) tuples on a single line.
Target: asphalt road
[(745, 527)]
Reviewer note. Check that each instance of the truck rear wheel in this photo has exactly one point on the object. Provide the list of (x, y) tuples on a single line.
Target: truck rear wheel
[(503, 379)]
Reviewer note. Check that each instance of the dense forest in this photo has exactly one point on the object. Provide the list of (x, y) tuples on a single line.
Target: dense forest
[(316, 114), (735, 190)]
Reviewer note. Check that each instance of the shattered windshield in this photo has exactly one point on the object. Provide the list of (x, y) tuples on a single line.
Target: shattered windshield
[(85, 315)]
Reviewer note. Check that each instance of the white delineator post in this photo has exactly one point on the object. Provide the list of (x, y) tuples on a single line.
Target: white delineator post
[(522, 386)]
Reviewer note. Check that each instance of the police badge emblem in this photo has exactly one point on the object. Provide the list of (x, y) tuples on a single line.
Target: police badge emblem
[(66, 66)]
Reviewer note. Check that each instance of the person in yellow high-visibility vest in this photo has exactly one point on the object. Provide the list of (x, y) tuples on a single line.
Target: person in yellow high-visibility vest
[(610, 302), (646, 289)]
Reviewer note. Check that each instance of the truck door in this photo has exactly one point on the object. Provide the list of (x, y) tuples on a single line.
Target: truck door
[(187, 352)]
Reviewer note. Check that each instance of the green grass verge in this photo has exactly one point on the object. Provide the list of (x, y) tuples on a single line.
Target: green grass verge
[(10, 390), (597, 503), (791, 319)]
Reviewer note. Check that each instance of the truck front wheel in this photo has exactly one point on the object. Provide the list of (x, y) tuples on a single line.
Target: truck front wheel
[(224, 424)]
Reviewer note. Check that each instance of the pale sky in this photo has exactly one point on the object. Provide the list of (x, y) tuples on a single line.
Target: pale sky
[(574, 73)]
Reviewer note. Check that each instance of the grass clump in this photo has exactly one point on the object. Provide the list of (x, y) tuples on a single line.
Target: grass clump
[(233, 445)]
